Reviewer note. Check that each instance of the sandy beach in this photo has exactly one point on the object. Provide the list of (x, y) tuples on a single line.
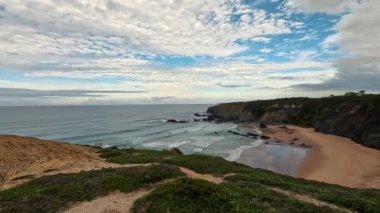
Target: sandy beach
[(331, 158)]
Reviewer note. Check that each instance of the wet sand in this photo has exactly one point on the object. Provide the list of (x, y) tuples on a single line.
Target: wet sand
[(277, 158), (331, 159)]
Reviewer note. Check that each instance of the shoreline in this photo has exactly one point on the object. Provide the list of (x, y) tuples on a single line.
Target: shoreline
[(331, 159)]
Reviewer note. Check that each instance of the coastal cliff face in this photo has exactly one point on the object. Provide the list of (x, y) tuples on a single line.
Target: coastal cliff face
[(354, 116)]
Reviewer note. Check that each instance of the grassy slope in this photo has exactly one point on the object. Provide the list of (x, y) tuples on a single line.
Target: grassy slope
[(187, 195), (51, 193), (246, 191)]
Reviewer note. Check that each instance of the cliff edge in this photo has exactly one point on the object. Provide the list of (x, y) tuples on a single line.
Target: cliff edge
[(354, 115)]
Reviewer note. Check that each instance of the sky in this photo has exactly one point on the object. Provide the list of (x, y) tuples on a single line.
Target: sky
[(83, 52)]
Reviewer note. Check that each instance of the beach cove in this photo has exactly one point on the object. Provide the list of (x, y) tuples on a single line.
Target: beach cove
[(331, 159)]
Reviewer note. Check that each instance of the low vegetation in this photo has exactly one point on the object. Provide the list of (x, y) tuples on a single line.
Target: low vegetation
[(247, 185), (199, 163), (52, 193), (244, 189), (186, 195)]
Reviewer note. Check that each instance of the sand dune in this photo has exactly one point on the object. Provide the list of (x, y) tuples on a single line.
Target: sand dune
[(23, 158)]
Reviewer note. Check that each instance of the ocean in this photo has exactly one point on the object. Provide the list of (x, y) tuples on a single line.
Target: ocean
[(145, 127)]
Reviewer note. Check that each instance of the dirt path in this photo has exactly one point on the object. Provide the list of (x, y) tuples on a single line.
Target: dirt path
[(114, 202), (194, 175), (123, 202), (308, 199)]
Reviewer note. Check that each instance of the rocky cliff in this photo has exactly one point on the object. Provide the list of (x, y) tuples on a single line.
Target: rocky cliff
[(353, 116)]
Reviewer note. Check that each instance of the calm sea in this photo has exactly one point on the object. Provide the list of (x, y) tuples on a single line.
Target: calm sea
[(142, 127)]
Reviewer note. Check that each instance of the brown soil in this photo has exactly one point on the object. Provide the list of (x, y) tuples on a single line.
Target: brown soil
[(24, 158)]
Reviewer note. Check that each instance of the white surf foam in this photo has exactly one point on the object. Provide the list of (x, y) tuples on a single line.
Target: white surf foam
[(160, 144), (177, 144), (194, 130), (236, 153)]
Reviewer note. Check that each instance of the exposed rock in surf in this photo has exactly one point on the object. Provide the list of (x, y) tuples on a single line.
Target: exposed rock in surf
[(176, 121), (264, 137), (253, 134), (242, 134), (200, 115), (263, 125)]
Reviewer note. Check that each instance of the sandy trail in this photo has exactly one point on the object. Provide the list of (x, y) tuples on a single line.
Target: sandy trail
[(123, 202), (114, 202), (333, 159), (308, 199), (194, 175)]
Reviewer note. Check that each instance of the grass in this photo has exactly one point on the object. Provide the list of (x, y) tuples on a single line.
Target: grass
[(188, 195), (52, 193), (199, 163), (185, 195), (245, 191), (361, 200)]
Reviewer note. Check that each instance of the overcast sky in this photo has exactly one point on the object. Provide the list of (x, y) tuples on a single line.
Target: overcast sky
[(62, 52)]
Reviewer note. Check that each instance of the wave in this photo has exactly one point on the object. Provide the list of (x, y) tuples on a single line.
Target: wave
[(87, 136), (160, 144), (106, 146), (236, 153), (194, 130)]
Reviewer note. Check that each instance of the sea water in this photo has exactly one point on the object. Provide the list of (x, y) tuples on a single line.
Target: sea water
[(133, 126)]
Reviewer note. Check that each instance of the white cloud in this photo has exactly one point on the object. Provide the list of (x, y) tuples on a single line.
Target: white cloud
[(261, 39), (266, 50), (300, 55), (167, 27), (96, 41), (330, 42), (357, 37), (324, 6)]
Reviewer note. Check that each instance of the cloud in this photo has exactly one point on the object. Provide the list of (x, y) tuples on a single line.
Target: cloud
[(303, 55), (233, 85), (266, 50), (111, 27), (261, 39), (323, 6), (29, 93), (66, 51), (161, 99), (357, 37), (330, 42)]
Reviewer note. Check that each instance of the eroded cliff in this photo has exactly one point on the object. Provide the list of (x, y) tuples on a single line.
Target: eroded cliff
[(353, 116)]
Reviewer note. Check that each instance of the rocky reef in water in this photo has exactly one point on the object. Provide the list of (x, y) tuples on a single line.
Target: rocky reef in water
[(354, 115)]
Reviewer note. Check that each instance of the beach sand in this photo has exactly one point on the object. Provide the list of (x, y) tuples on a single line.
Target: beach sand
[(331, 159)]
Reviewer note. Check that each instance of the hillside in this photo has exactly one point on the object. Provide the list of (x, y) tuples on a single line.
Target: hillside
[(354, 115), (168, 181)]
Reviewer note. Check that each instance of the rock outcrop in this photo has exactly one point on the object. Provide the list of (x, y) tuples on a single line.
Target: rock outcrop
[(355, 117)]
